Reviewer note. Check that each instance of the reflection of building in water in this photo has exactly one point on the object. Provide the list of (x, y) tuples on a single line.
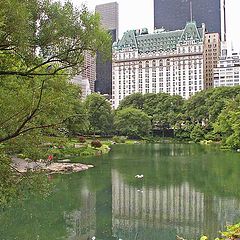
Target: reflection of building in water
[(153, 212), (82, 222)]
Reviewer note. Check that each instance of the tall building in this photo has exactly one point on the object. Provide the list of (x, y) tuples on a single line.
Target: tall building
[(89, 69), (173, 14), (109, 14), (212, 51), (227, 72), (164, 61), (110, 21), (83, 83)]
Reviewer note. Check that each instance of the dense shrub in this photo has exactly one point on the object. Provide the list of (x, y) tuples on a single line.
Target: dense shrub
[(119, 139), (96, 144), (197, 133), (82, 139)]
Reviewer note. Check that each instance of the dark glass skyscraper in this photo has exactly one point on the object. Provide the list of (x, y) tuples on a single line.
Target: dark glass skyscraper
[(173, 14), (109, 20), (103, 83)]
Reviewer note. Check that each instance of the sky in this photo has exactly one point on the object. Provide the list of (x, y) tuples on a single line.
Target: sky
[(135, 14)]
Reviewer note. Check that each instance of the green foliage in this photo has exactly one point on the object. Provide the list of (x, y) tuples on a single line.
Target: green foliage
[(42, 44), (167, 111), (14, 185), (197, 133), (60, 32), (206, 105), (183, 130), (99, 113), (233, 232), (38, 40), (228, 123), (163, 108), (71, 151), (135, 100), (211, 115), (119, 139), (79, 122), (132, 122), (45, 103)]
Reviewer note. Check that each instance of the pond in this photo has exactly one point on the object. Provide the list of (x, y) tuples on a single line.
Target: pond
[(187, 190)]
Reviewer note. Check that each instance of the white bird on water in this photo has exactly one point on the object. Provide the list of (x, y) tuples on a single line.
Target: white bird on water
[(139, 176)]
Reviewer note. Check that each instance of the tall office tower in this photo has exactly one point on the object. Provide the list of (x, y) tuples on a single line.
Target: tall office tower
[(89, 69), (212, 52), (173, 14), (110, 21), (109, 16)]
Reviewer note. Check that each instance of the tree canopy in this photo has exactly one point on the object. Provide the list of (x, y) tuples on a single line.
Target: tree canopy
[(99, 113), (42, 43), (228, 123), (37, 33), (132, 122), (211, 114), (135, 100)]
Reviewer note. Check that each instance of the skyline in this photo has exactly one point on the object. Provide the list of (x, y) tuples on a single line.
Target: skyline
[(145, 7)]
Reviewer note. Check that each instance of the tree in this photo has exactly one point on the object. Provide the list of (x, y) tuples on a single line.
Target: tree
[(167, 110), (36, 33), (197, 133), (78, 124), (132, 122), (99, 113), (135, 100), (164, 109), (205, 106), (42, 42), (28, 105), (228, 123)]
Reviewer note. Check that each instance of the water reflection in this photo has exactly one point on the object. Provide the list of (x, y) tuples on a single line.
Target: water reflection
[(154, 212), (187, 190), (81, 223)]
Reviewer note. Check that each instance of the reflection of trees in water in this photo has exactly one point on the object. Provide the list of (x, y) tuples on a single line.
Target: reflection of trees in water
[(167, 211), (69, 213), (158, 150), (81, 223)]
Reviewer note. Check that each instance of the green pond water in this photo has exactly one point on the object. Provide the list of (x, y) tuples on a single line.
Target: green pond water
[(187, 190)]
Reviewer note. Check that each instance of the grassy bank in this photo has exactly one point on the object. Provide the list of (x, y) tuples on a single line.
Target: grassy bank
[(61, 148)]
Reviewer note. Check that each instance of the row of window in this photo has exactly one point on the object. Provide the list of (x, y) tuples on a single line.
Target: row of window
[(180, 91), (179, 50)]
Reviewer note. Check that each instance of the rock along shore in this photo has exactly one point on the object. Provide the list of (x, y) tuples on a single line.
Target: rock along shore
[(23, 166)]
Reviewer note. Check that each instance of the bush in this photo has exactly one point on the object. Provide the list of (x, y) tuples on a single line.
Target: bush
[(197, 133), (82, 139), (119, 139), (96, 144)]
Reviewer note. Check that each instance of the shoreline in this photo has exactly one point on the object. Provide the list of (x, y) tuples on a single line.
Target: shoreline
[(24, 166)]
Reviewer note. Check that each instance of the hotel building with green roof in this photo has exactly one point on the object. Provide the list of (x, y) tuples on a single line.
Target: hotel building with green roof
[(162, 61)]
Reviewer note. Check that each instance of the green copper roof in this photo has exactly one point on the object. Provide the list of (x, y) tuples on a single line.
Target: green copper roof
[(160, 40)]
